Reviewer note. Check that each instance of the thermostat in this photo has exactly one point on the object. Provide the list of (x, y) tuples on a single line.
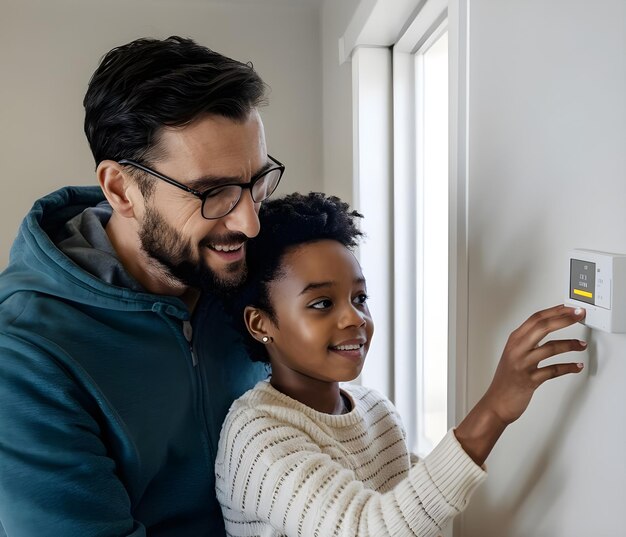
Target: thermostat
[(597, 282)]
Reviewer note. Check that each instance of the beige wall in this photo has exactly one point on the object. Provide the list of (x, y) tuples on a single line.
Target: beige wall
[(48, 51), (337, 101)]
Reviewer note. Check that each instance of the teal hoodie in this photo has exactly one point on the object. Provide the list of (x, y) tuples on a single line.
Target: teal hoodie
[(111, 400)]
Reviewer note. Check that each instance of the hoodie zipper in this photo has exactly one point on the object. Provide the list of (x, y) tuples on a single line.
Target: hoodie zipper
[(188, 333), (199, 386)]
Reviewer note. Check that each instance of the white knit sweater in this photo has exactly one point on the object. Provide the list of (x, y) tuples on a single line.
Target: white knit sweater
[(283, 468)]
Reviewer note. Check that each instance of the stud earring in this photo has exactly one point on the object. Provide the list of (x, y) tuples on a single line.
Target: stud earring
[(266, 339)]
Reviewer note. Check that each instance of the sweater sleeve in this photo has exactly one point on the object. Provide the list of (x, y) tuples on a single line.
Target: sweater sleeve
[(271, 472)]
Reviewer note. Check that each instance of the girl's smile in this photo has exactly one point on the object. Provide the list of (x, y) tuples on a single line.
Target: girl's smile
[(354, 349)]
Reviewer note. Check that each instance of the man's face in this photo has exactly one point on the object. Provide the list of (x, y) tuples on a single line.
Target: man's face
[(204, 253)]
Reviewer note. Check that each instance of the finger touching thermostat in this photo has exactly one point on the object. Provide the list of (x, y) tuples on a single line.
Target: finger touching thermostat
[(597, 282)]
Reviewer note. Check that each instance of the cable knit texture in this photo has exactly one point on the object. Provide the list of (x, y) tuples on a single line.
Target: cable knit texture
[(283, 468)]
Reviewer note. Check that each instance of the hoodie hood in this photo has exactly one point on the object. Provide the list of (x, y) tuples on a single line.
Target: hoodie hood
[(37, 264)]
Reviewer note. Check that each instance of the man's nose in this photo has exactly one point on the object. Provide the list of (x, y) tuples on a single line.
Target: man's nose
[(244, 218)]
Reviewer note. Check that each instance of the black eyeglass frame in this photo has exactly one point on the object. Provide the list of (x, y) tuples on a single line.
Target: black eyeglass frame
[(204, 195)]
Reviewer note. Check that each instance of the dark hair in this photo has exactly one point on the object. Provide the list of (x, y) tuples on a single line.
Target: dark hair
[(286, 223), (147, 84)]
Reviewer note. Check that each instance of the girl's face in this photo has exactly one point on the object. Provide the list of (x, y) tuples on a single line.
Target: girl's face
[(324, 326)]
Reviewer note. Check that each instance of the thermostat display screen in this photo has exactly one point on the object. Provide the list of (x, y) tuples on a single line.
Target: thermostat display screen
[(582, 281)]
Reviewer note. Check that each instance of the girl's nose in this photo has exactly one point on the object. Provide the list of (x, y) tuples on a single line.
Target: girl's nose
[(352, 316)]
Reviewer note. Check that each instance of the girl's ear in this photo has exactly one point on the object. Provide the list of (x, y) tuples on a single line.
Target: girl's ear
[(257, 324)]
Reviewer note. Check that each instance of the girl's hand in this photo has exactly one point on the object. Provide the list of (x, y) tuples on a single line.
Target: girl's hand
[(517, 377), (518, 374)]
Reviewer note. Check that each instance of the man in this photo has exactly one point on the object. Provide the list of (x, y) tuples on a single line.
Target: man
[(117, 362)]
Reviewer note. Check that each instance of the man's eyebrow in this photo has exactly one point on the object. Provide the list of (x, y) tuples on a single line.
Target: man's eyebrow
[(320, 285), (211, 181)]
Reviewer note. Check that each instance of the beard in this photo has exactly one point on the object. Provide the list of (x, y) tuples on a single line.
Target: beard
[(174, 255)]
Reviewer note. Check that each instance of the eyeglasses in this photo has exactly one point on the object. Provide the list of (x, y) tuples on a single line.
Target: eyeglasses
[(218, 201)]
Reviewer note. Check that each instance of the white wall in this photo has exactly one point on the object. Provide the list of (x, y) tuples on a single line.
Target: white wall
[(48, 51), (547, 168)]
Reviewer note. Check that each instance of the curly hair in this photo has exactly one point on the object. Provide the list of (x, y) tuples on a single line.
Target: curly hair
[(148, 84), (287, 223)]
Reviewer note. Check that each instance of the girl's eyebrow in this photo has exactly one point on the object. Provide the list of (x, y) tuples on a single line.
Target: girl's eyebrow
[(314, 286), (318, 285)]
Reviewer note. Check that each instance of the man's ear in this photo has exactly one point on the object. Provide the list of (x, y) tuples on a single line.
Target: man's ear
[(118, 187), (258, 324)]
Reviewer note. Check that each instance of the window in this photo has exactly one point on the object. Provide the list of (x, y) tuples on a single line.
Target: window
[(409, 162), (421, 182), (433, 242)]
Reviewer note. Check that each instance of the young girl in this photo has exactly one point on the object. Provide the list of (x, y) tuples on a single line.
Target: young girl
[(300, 455)]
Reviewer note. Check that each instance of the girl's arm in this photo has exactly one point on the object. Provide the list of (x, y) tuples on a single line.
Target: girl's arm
[(272, 472)]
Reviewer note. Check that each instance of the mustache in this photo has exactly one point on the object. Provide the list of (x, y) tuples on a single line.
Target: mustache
[(226, 240)]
